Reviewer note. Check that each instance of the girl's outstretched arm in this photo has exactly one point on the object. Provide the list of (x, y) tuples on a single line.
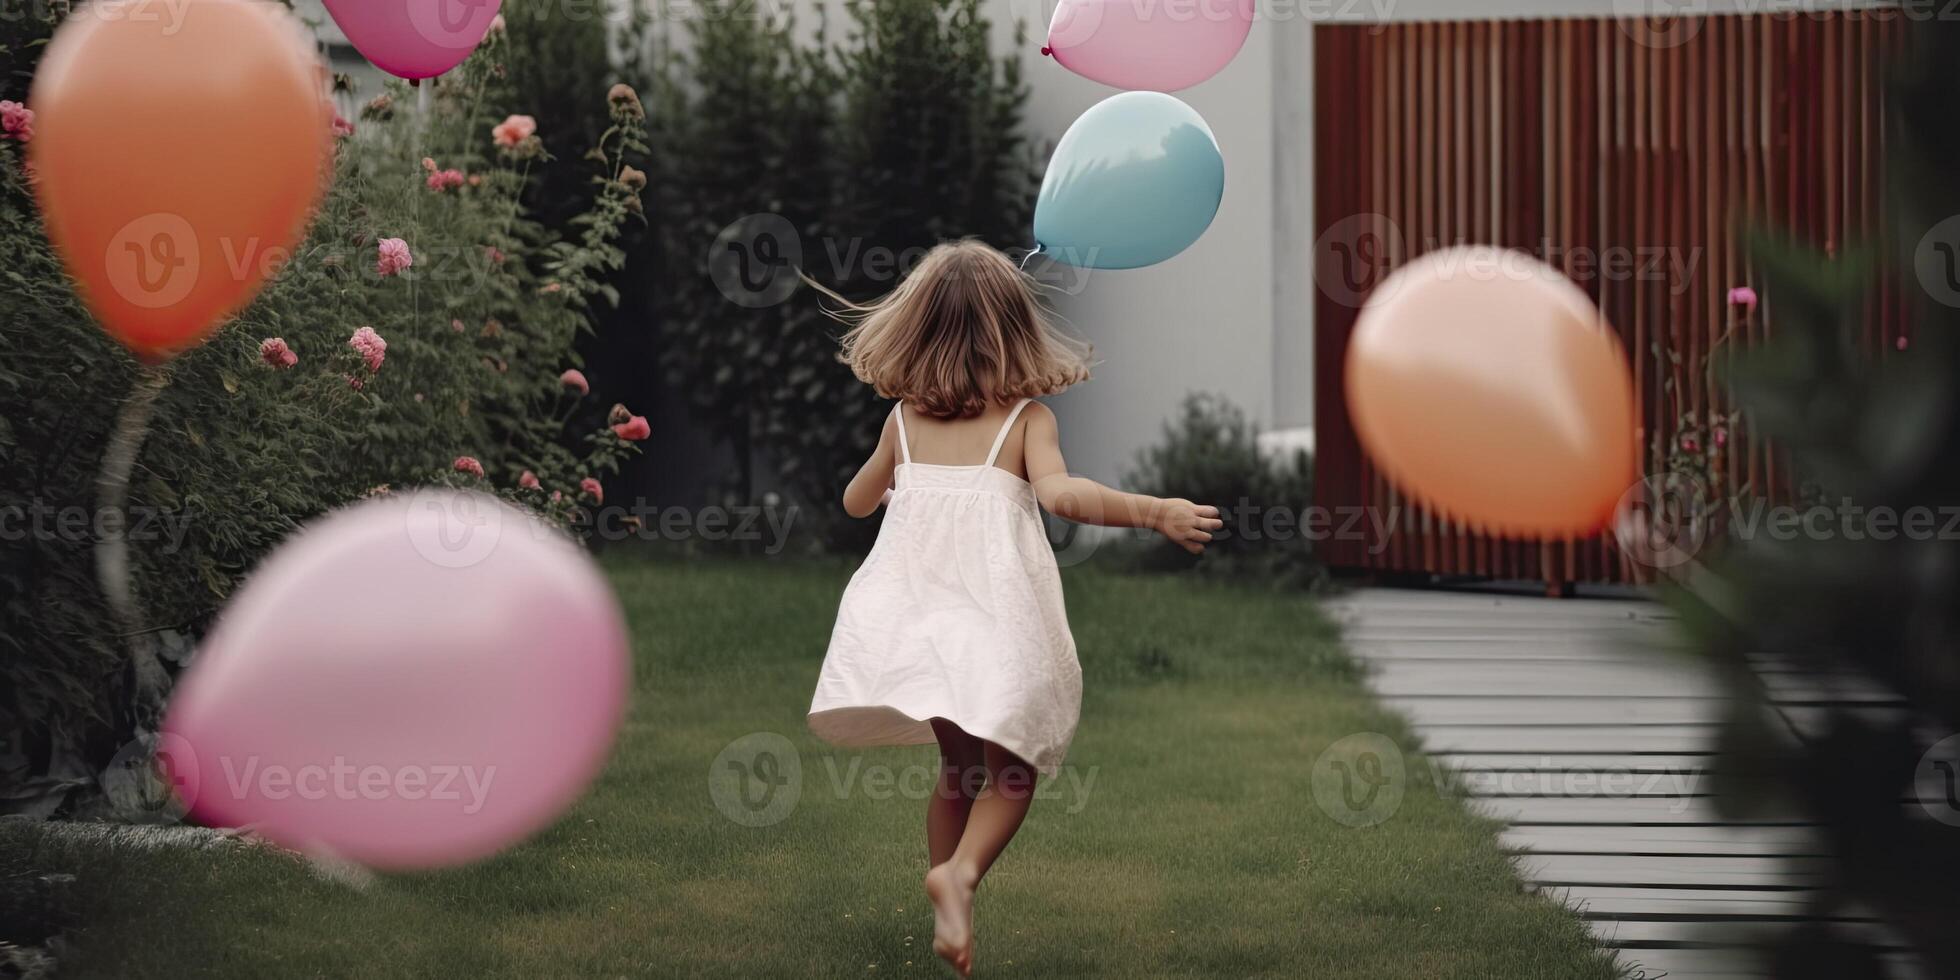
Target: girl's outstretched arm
[(1085, 501), (874, 478)]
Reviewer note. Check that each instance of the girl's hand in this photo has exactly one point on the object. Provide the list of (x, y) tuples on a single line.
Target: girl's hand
[(1188, 525)]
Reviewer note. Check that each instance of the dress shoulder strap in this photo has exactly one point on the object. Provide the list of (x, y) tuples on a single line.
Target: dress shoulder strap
[(904, 450), (1006, 427)]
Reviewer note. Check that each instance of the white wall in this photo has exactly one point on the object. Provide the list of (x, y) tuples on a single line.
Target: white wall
[(1204, 320)]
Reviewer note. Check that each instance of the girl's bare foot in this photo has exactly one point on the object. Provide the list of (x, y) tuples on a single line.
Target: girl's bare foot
[(952, 916)]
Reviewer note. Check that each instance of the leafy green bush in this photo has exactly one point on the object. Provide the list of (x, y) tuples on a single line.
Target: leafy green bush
[(1864, 604), (859, 155), (250, 437), (1210, 454)]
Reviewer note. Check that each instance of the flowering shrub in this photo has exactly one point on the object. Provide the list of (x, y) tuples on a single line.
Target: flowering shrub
[(422, 333), (1688, 460)]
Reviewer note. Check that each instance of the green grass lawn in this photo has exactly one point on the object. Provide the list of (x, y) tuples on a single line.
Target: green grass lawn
[(1197, 850)]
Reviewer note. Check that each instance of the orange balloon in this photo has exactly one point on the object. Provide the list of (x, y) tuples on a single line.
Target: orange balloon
[(1486, 385), (178, 149)]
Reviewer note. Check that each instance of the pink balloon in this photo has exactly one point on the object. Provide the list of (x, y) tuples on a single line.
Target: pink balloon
[(1149, 45), (418, 681), (414, 38)]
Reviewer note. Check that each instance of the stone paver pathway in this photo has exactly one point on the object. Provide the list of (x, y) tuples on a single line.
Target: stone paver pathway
[(1582, 726)]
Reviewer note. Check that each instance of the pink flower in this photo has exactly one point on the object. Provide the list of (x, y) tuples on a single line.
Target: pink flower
[(468, 464), (442, 180), (354, 382), (633, 429), (1721, 438), (1743, 296), (429, 164), (370, 346), (1902, 343), (456, 326), (341, 127), (625, 101), (273, 351), (529, 481), (394, 256), (575, 380), (591, 488), (512, 131), (16, 121), (494, 254), (1690, 444), (552, 287), (556, 496)]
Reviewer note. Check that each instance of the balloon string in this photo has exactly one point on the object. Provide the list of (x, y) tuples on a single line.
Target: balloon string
[(423, 93), (112, 552), (1031, 254)]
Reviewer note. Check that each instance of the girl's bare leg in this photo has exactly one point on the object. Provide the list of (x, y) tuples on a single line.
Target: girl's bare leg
[(990, 825), (961, 759)]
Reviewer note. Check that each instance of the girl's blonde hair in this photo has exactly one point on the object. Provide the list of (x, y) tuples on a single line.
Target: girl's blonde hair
[(965, 329)]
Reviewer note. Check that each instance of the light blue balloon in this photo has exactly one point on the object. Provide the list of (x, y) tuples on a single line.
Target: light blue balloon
[(1135, 181)]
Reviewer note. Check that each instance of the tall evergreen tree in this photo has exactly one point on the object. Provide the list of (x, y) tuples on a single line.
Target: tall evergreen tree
[(779, 151)]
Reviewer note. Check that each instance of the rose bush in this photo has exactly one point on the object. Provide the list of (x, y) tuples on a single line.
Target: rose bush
[(422, 333)]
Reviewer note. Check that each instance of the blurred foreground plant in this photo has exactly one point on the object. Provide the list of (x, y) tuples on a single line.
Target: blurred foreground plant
[(1861, 608)]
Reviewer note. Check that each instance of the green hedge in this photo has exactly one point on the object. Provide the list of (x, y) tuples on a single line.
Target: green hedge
[(864, 151)]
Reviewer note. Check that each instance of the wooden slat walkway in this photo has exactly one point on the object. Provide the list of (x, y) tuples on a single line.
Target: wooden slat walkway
[(1582, 726)]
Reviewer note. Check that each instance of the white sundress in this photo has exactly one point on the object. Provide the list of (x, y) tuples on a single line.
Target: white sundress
[(957, 614)]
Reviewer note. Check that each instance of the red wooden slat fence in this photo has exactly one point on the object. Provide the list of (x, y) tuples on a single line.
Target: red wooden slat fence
[(1631, 154)]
